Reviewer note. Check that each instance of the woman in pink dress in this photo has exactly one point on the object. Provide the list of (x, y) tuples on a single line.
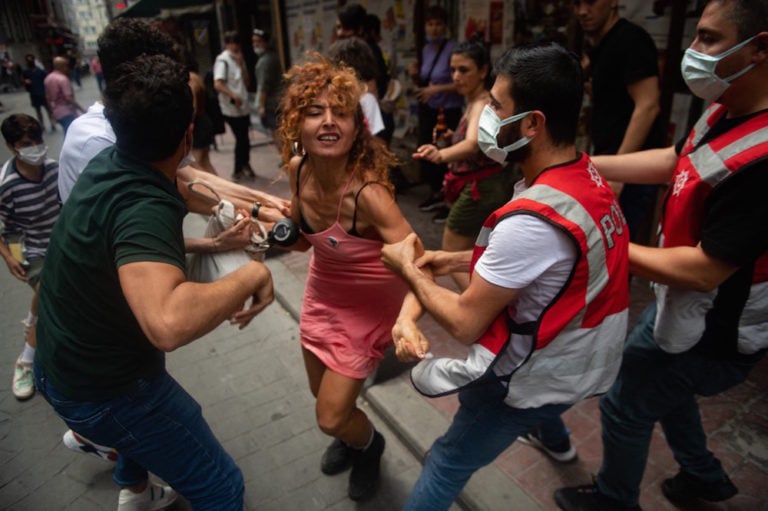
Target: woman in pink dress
[(345, 207)]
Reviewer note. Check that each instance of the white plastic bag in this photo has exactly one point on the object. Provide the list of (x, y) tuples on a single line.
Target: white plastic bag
[(208, 267)]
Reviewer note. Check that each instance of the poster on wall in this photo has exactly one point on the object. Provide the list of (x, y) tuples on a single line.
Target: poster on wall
[(310, 26), (476, 16)]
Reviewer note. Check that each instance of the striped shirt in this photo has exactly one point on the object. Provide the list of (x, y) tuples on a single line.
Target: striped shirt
[(30, 208)]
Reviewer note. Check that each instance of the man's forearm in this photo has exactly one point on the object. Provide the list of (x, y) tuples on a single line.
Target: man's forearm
[(199, 308), (653, 166), (222, 88), (638, 128), (199, 245), (679, 267), (186, 310), (440, 302)]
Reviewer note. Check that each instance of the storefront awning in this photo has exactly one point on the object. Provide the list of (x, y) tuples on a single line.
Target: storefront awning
[(166, 8)]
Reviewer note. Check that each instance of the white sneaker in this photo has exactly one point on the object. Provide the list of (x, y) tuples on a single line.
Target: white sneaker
[(153, 498), (82, 445), (563, 453), (23, 384)]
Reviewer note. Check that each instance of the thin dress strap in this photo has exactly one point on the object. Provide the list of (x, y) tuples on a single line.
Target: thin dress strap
[(353, 231), (341, 199)]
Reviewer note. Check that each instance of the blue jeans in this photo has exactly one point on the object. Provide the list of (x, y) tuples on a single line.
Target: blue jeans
[(482, 428), (160, 428), (652, 386)]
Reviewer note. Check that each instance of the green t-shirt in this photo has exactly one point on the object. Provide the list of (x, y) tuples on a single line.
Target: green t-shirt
[(120, 211)]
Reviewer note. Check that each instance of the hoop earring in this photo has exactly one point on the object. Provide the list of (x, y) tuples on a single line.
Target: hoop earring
[(298, 149)]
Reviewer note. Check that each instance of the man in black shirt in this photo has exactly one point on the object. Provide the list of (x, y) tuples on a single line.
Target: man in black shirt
[(710, 272), (625, 95)]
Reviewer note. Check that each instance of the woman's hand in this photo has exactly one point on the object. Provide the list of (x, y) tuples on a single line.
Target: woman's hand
[(424, 94), (410, 343), (428, 152)]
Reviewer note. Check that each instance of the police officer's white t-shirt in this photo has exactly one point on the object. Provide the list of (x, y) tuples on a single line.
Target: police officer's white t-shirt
[(527, 253)]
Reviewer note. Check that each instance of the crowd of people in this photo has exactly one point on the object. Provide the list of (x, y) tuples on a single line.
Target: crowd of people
[(541, 266)]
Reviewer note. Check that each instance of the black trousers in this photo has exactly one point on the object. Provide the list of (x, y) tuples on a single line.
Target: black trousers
[(239, 127)]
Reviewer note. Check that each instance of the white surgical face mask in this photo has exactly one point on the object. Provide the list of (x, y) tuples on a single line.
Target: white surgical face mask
[(33, 155), (699, 72), (488, 130), (258, 50)]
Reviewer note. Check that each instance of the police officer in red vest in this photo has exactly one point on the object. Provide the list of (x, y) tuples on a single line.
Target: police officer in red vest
[(708, 326), (545, 313)]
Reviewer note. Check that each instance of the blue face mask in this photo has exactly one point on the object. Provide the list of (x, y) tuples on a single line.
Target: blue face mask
[(488, 131)]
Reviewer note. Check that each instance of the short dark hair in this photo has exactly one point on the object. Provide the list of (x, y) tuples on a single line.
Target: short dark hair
[(17, 126), (125, 39), (149, 106), (435, 12), (750, 16), (231, 37), (548, 78), (372, 25), (352, 17), (264, 34), (355, 53)]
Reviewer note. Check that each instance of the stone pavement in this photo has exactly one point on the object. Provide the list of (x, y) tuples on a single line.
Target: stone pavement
[(253, 391)]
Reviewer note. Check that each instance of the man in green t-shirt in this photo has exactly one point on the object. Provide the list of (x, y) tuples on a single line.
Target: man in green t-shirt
[(114, 298)]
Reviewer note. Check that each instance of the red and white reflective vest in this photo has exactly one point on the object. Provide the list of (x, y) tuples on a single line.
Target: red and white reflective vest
[(681, 313), (573, 350)]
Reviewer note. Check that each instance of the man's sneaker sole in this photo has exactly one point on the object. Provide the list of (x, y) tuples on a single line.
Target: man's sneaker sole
[(561, 457), (686, 488), (84, 446), (431, 206), (154, 498)]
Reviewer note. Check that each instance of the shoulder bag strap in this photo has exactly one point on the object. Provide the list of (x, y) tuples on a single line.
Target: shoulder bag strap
[(434, 62)]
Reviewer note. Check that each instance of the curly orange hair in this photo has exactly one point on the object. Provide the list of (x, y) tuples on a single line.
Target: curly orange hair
[(304, 82)]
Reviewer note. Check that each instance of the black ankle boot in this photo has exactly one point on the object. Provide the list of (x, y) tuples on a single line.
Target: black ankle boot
[(365, 469), (336, 458)]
